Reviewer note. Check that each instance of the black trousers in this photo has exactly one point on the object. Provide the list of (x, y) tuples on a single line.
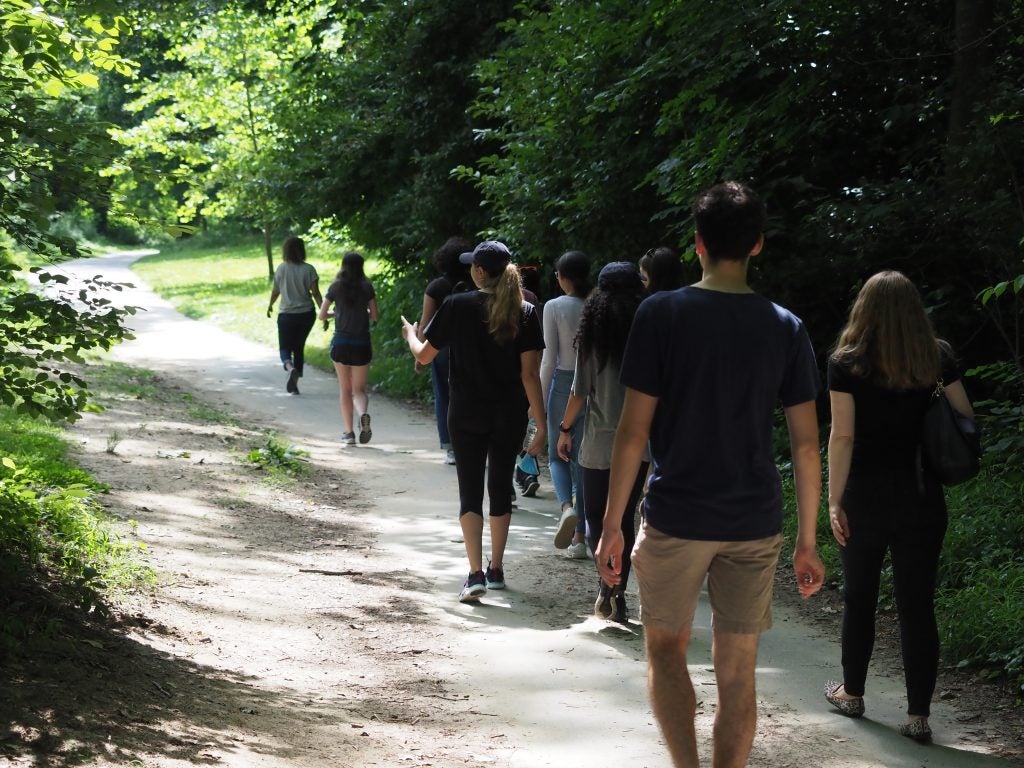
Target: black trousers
[(486, 440), (887, 511), (595, 497), (292, 330)]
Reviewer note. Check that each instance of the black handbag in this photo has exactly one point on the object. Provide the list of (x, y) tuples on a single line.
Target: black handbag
[(950, 442)]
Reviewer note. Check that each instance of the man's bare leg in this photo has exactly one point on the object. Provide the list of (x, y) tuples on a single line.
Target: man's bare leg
[(735, 660), (672, 697)]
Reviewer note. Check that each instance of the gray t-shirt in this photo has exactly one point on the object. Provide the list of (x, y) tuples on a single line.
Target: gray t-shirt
[(295, 282), (605, 395), (352, 321)]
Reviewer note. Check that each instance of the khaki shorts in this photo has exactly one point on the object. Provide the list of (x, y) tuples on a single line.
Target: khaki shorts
[(740, 575)]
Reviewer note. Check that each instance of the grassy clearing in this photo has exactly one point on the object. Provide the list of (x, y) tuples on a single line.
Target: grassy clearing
[(227, 285)]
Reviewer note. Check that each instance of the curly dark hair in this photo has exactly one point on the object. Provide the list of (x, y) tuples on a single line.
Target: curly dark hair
[(446, 259), (607, 317)]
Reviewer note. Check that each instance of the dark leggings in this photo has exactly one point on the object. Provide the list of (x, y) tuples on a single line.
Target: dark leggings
[(292, 330), (887, 511), (594, 499), (490, 444)]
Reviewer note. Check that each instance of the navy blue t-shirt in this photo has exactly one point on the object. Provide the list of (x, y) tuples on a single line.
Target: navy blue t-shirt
[(719, 364), (482, 373)]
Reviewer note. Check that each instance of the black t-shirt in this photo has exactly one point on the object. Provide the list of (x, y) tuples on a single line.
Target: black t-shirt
[(719, 364), (440, 288), (886, 422), (482, 373)]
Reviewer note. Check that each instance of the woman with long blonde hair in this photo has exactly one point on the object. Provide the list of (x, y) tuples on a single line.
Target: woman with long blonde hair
[(881, 375), (494, 338)]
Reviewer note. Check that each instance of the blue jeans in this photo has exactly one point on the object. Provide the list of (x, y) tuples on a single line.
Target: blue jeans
[(564, 474), (439, 383)]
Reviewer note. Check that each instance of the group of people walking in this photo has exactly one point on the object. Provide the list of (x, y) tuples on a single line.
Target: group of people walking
[(657, 399), (297, 284)]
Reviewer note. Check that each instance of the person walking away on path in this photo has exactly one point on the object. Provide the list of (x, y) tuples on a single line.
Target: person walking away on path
[(661, 270), (454, 278), (495, 342), (704, 367), (561, 322), (297, 285), (881, 376), (355, 306), (604, 325)]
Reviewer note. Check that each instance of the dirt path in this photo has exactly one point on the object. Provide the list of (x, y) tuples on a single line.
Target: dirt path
[(317, 624)]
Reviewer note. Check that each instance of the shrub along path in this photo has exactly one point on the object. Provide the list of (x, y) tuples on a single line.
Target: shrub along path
[(319, 623)]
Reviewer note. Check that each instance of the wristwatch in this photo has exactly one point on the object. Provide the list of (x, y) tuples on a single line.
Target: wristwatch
[(563, 428)]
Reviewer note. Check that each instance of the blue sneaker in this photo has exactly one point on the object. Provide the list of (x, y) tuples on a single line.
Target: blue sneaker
[(474, 588), (495, 578)]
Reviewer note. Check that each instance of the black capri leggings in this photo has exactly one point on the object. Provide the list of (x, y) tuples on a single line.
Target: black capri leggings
[(489, 444), (594, 499)]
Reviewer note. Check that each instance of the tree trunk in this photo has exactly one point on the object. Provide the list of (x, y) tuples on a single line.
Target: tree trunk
[(268, 246), (971, 57)]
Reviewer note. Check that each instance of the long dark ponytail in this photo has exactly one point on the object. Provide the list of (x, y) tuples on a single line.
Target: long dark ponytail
[(349, 280)]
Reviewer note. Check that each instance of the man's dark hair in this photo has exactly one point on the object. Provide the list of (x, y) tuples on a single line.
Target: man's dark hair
[(730, 218)]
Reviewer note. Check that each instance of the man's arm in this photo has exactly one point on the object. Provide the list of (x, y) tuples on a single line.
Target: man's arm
[(802, 420), (627, 453)]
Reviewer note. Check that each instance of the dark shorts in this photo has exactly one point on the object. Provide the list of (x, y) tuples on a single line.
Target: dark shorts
[(351, 354)]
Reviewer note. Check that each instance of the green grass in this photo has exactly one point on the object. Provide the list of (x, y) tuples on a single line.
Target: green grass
[(227, 285), (51, 523)]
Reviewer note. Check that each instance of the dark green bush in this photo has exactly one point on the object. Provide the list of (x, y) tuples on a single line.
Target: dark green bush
[(393, 370)]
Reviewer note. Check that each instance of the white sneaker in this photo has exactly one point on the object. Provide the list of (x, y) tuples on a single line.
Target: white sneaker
[(566, 527), (449, 456), (577, 551)]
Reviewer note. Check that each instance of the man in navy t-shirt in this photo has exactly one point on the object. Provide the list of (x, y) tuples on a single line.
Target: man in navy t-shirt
[(704, 368)]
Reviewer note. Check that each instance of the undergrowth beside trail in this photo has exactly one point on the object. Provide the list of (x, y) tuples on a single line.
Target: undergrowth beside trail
[(54, 535)]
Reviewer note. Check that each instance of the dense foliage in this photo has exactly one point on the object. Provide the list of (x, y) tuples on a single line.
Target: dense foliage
[(47, 161)]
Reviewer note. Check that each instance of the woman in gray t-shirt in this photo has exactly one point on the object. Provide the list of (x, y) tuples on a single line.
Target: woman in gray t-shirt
[(604, 326), (297, 285)]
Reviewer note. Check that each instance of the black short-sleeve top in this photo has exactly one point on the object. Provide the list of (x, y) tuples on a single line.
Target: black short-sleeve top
[(886, 422), (482, 372)]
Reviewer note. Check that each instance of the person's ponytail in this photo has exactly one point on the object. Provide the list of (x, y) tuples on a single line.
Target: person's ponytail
[(506, 305)]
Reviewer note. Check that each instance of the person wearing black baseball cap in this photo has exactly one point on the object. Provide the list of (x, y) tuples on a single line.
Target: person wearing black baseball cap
[(494, 340)]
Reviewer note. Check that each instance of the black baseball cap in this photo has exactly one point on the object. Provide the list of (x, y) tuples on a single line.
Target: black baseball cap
[(620, 276), (491, 255)]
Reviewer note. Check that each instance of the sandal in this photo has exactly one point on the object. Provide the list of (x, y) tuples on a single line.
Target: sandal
[(852, 707), (917, 729)]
